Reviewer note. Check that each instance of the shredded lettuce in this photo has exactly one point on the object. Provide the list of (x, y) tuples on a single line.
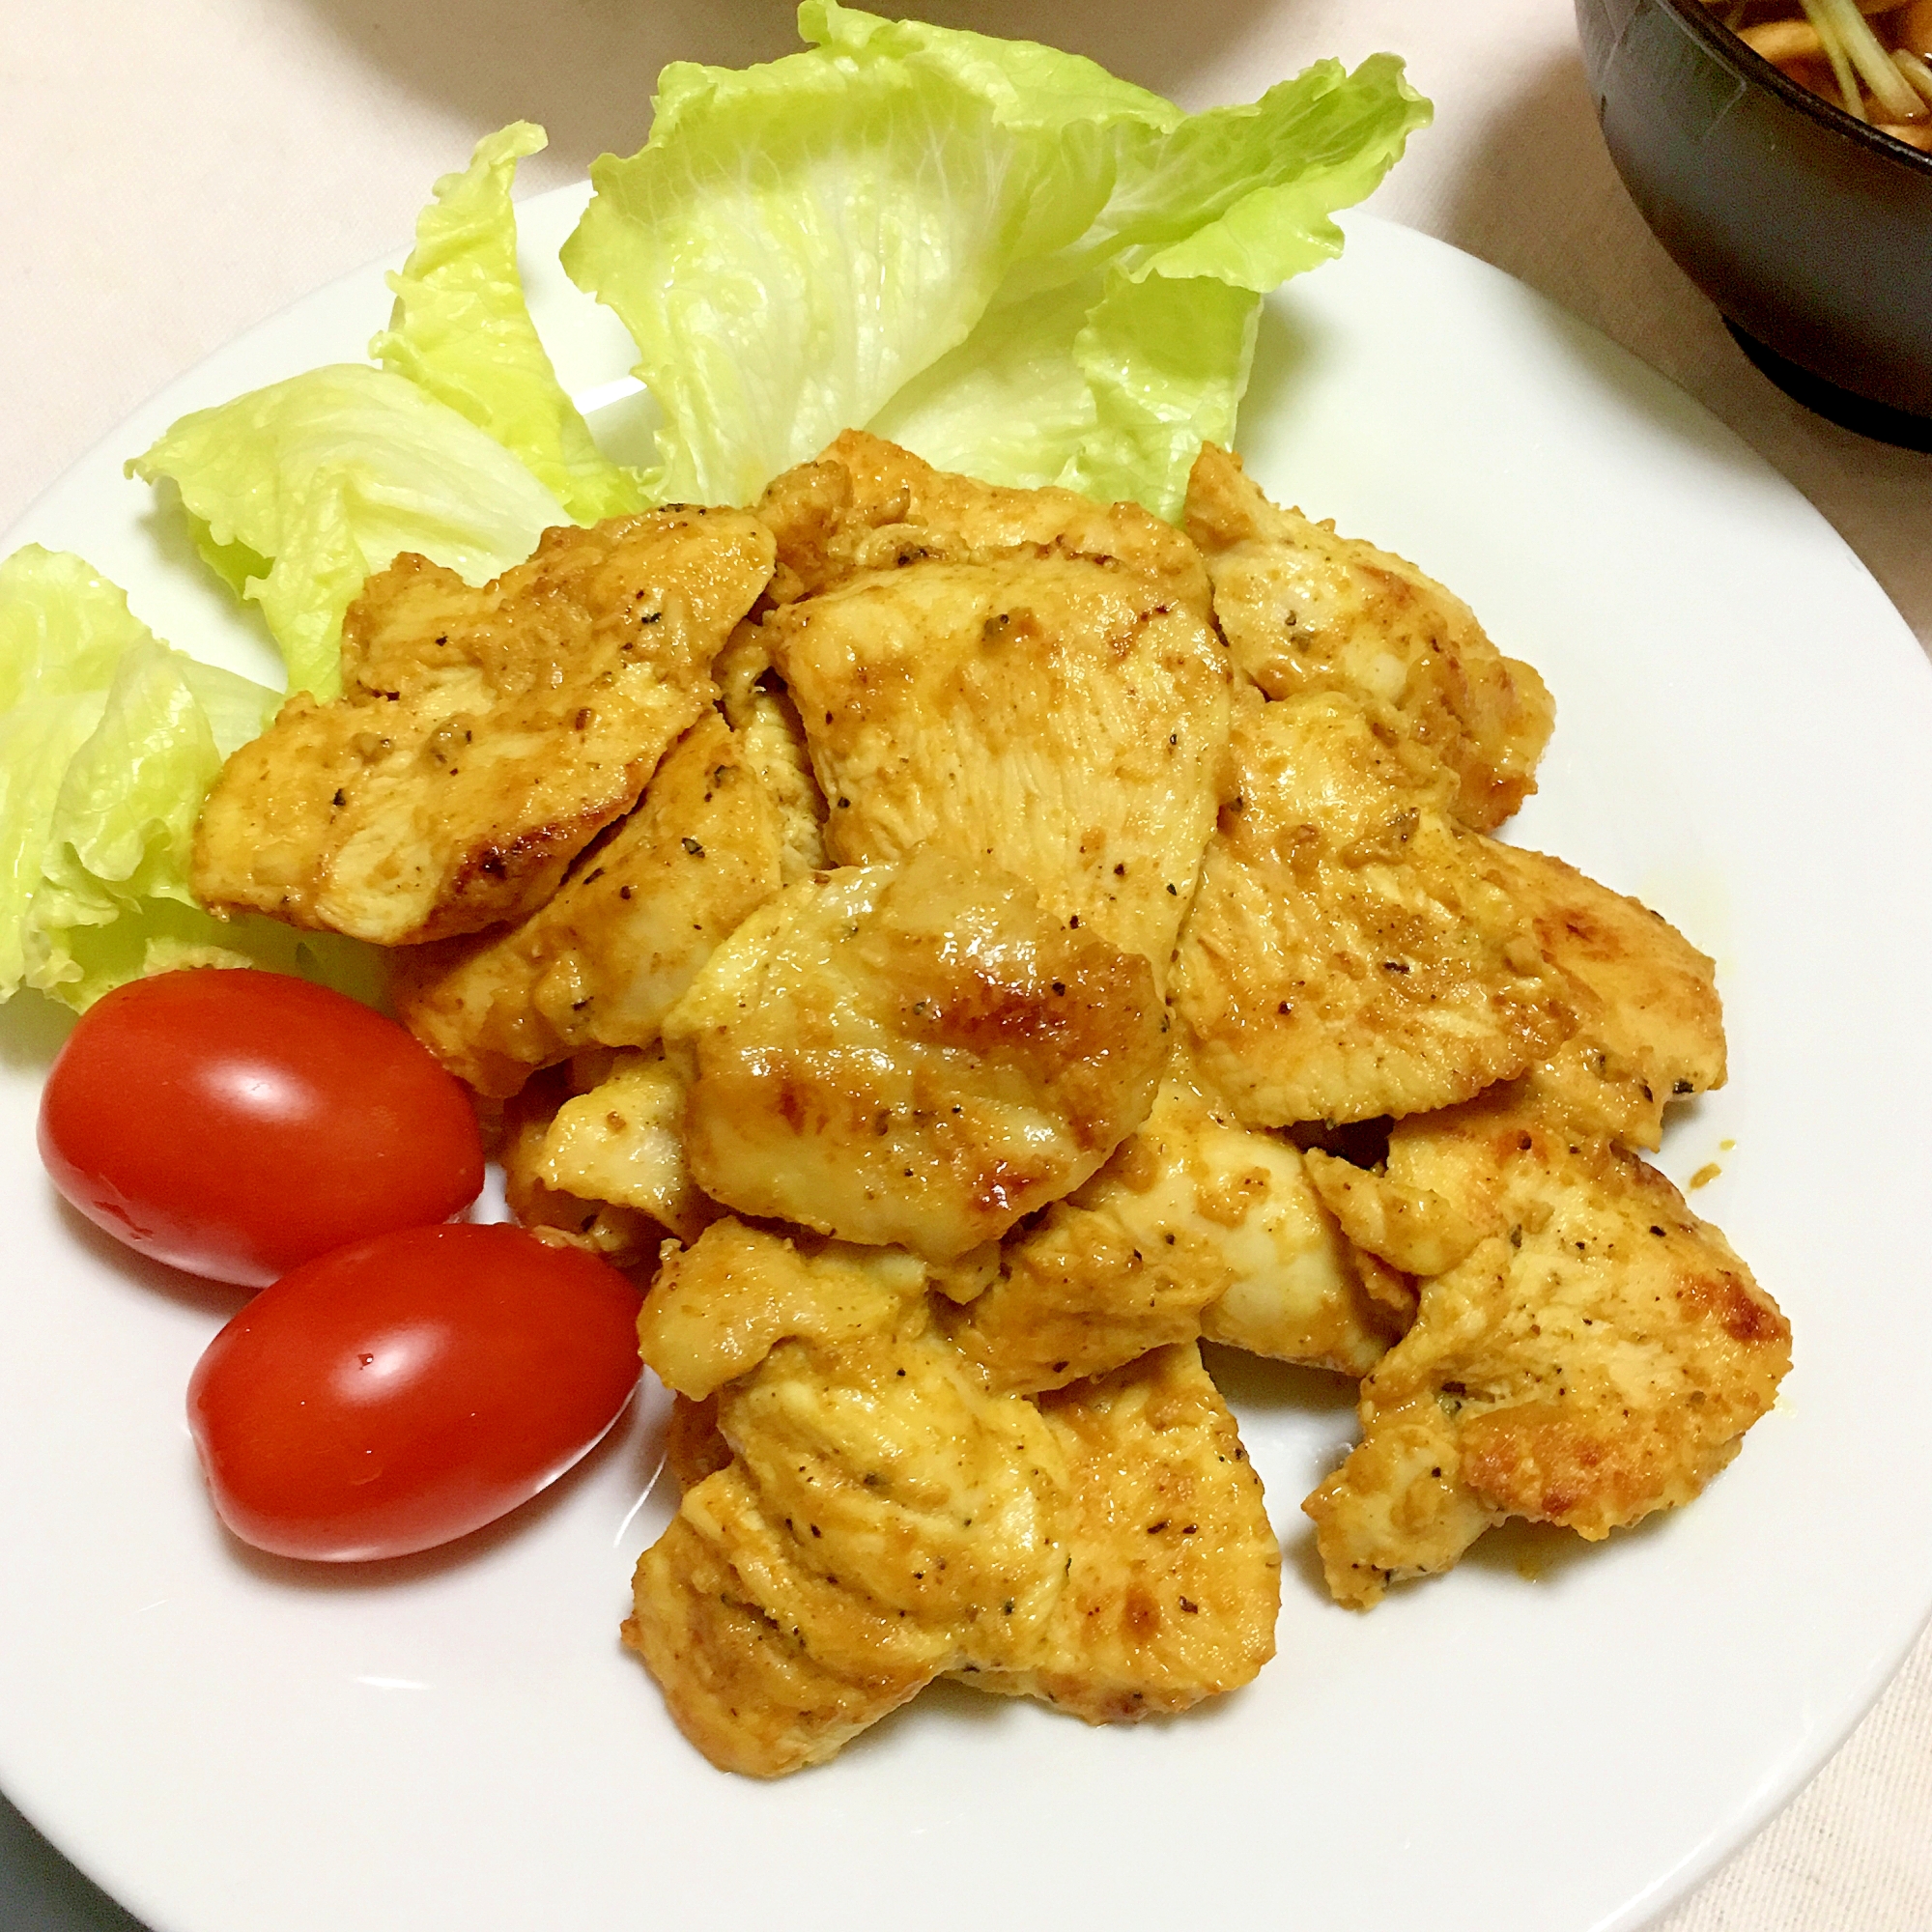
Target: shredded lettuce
[(109, 741), (993, 252), (327, 477), (461, 332)]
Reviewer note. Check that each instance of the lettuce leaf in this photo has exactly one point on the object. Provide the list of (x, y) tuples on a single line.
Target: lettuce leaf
[(63, 629), (327, 477), (109, 741), (993, 252), (461, 332)]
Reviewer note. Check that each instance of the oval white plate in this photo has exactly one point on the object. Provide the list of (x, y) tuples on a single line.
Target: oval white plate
[(1555, 1739)]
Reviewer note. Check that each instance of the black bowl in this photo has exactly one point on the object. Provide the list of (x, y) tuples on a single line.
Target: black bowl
[(1811, 232)]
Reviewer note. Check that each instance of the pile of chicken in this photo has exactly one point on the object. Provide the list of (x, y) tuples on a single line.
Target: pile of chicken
[(966, 946)]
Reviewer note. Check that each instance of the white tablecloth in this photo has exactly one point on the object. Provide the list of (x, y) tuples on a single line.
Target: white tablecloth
[(177, 171)]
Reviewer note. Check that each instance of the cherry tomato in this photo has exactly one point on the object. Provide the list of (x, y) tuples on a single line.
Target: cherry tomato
[(409, 1389), (237, 1123)]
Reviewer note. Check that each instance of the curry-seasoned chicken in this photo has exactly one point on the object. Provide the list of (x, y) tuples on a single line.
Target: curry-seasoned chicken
[(1303, 609), (1597, 1354), (862, 1512), (552, 1210), (721, 1305), (1352, 951), (911, 1054), (1197, 1225), (885, 1515), (767, 727), (607, 958), (1024, 679), (694, 1447), (1174, 1575), (740, 1682), (484, 737), (1650, 1026), (621, 1143), (866, 504), (1410, 1228)]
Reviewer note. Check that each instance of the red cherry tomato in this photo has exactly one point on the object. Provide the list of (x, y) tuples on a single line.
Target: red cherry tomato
[(237, 1123), (409, 1389)]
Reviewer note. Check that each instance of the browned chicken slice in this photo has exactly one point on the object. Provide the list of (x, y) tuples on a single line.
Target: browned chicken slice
[(1352, 951), (1022, 678), (484, 737), (621, 1143), (885, 1515), (610, 956), (773, 741), (862, 1513), (1411, 1229), (1303, 609), (721, 1305), (1596, 1355), (866, 505), (693, 1446), (911, 1054), (742, 1685), (626, 1237), (1176, 1576), (1196, 1225), (1650, 1026)]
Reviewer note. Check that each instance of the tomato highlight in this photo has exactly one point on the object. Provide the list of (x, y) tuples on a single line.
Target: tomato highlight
[(409, 1389), (237, 1123)]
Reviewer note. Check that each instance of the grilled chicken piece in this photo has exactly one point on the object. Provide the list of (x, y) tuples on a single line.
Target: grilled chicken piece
[(1596, 1355), (1303, 609), (1175, 1579), (721, 1305), (885, 1517), (773, 742), (606, 958), (484, 737), (868, 505), (693, 1448), (621, 1144), (862, 1513), (1022, 678), (1650, 1026), (1411, 1229), (1197, 1225), (911, 1054), (626, 1237), (1353, 952), (742, 1685)]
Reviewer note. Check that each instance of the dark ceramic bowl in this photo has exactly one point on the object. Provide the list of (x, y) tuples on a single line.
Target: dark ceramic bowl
[(1811, 232)]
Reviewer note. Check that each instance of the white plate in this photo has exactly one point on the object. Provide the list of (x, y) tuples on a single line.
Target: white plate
[(1553, 1739)]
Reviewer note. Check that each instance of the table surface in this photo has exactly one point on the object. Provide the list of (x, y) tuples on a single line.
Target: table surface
[(178, 172)]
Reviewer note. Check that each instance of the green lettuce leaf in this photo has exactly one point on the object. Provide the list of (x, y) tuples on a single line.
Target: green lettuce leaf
[(326, 478), (37, 741), (461, 332), (235, 563), (109, 741), (63, 627), (993, 252)]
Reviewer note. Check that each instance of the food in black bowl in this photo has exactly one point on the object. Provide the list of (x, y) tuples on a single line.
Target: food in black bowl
[(1869, 57), (1809, 228)]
